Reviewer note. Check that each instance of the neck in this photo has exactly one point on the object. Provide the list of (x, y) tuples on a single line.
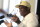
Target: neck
[(26, 14)]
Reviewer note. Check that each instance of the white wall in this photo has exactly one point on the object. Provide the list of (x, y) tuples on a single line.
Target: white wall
[(5, 5), (33, 5), (1, 4)]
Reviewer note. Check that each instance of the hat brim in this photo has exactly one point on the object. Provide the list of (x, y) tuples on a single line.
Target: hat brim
[(17, 6)]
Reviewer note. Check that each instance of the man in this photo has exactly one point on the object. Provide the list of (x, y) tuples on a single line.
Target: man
[(30, 19)]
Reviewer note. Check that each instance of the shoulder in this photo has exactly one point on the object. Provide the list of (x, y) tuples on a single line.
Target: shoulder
[(31, 15)]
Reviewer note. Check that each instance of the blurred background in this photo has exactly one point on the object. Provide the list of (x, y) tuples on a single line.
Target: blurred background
[(9, 6)]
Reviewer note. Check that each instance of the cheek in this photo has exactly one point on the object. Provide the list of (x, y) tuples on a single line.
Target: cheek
[(21, 11)]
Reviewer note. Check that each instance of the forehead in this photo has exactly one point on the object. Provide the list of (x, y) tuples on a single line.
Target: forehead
[(24, 7), (21, 6)]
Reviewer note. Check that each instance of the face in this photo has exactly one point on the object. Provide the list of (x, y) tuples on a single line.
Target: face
[(21, 9)]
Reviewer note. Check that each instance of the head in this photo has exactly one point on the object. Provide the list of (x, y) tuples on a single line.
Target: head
[(24, 8), (15, 19)]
